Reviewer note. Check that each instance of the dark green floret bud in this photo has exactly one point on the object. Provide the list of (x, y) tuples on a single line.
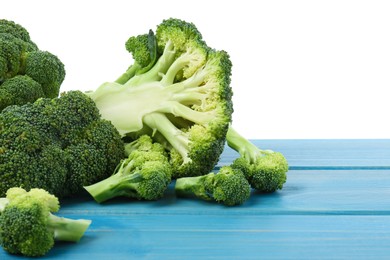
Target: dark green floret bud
[(19, 90)]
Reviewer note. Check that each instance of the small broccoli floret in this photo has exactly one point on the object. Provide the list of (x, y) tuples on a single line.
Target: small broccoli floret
[(46, 69), (20, 56), (58, 144), (19, 90), (181, 98), (144, 50), (265, 169), (144, 175), (28, 227), (15, 30), (229, 186)]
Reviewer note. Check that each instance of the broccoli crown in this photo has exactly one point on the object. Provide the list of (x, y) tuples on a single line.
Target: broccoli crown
[(183, 98), (20, 56), (265, 169), (58, 144), (229, 186), (27, 226), (144, 175)]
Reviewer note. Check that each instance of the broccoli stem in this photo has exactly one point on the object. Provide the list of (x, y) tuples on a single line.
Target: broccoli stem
[(156, 73), (159, 122), (243, 146), (129, 73), (66, 229), (116, 185), (193, 186), (175, 67)]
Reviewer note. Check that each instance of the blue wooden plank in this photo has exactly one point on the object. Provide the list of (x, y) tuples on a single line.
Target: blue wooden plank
[(346, 192), (322, 213), (326, 154), (229, 237)]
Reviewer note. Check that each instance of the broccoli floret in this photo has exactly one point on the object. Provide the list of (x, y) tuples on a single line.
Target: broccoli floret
[(58, 144), (181, 98), (144, 49), (229, 186), (19, 90), (45, 68), (20, 56), (265, 169), (28, 227), (17, 31), (144, 175)]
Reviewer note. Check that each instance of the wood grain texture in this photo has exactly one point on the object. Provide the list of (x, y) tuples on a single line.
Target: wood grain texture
[(324, 211), (326, 154)]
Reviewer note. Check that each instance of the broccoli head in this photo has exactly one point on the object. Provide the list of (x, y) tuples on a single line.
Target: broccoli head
[(177, 91), (58, 144), (144, 175), (265, 169), (21, 56), (229, 186), (28, 227)]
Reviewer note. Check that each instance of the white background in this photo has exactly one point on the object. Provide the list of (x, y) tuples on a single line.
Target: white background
[(301, 69)]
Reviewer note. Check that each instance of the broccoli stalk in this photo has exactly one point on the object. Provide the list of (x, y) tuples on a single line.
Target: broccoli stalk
[(265, 169), (197, 186), (144, 175), (177, 91), (118, 185), (28, 227), (229, 186), (66, 229)]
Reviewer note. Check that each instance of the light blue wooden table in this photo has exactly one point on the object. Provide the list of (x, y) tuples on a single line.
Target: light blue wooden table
[(335, 205)]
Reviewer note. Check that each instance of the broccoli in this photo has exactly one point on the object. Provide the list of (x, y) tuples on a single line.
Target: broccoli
[(59, 145), (19, 90), (26, 73), (265, 169), (28, 227), (176, 91), (229, 186), (145, 174)]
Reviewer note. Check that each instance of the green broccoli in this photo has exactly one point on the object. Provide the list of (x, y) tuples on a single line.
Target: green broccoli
[(176, 91), (59, 145), (229, 186), (145, 174), (19, 90), (265, 169), (17, 31), (43, 72), (28, 227), (144, 49)]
